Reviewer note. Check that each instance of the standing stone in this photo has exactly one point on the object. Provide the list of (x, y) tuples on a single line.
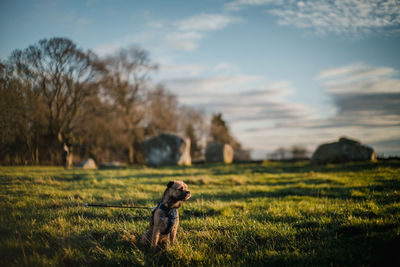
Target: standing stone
[(65, 153), (167, 149), (88, 164), (219, 153), (345, 150), (66, 157)]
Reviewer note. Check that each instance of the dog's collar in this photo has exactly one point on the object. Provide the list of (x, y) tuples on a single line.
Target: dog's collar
[(164, 208)]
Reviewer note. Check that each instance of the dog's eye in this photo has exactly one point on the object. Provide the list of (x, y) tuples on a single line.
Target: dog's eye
[(180, 189)]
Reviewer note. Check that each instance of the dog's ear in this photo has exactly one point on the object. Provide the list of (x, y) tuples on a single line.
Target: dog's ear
[(170, 184)]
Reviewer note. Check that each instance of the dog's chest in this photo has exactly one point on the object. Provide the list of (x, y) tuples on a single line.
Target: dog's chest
[(168, 218), (164, 220)]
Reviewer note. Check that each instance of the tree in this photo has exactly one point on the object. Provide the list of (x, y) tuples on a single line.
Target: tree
[(220, 133), (299, 152), (58, 77), (161, 112), (13, 126), (281, 153), (124, 86), (192, 125), (296, 152), (100, 132)]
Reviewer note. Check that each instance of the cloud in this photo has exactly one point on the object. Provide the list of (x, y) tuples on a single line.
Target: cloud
[(263, 118), (240, 4), (212, 84), (172, 36), (205, 22), (360, 79), (348, 17), (367, 104), (192, 29), (363, 96), (372, 110), (239, 104), (186, 41), (340, 17), (336, 72)]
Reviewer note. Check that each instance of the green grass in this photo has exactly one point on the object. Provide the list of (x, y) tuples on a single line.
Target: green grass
[(248, 214)]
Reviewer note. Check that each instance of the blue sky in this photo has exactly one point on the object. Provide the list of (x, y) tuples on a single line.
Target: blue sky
[(282, 72)]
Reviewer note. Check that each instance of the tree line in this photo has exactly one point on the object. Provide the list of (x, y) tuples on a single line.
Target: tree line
[(54, 93)]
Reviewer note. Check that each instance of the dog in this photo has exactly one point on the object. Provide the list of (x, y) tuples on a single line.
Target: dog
[(165, 217)]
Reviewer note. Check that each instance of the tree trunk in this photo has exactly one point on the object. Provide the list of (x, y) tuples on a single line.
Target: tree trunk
[(37, 155), (131, 153)]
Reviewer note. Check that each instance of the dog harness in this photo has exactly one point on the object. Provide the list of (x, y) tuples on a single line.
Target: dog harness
[(172, 214)]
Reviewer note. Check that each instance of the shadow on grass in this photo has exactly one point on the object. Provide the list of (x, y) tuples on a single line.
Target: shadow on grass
[(170, 175), (299, 167), (381, 192), (179, 172)]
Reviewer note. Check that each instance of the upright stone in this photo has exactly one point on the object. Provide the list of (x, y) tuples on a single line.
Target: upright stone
[(66, 157), (345, 150), (167, 149), (219, 153), (88, 164)]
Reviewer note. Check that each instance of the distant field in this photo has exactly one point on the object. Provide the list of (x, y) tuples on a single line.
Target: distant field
[(245, 214)]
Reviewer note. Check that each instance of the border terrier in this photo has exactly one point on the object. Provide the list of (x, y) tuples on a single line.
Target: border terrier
[(165, 217)]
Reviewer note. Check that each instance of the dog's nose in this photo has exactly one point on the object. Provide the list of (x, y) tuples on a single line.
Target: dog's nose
[(187, 192)]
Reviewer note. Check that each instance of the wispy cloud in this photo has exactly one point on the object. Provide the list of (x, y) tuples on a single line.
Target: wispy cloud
[(241, 105), (364, 96), (180, 35), (204, 86), (340, 17), (192, 29), (360, 79), (367, 104), (186, 41), (206, 22), (241, 4), (348, 17)]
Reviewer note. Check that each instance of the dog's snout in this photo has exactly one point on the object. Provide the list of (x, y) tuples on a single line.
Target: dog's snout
[(187, 192)]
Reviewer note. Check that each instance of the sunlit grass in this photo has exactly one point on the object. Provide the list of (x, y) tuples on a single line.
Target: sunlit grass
[(250, 214)]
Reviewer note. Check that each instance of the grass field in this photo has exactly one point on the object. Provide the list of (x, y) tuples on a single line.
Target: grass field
[(245, 214)]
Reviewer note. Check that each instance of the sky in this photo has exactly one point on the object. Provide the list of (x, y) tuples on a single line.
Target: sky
[(281, 72)]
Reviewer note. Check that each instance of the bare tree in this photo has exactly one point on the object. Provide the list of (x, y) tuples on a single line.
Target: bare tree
[(296, 152), (161, 111), (14, 132), (192, 124), (61, 76), (299, 152), (124, 86)]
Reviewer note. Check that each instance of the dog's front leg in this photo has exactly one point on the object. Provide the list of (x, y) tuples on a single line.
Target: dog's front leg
[(155, 237), (174, 230)]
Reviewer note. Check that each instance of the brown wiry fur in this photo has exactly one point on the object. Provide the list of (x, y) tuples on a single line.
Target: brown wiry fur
[(176, 193)]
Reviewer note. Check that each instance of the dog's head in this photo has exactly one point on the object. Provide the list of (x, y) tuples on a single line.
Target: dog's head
[(176, 193)]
